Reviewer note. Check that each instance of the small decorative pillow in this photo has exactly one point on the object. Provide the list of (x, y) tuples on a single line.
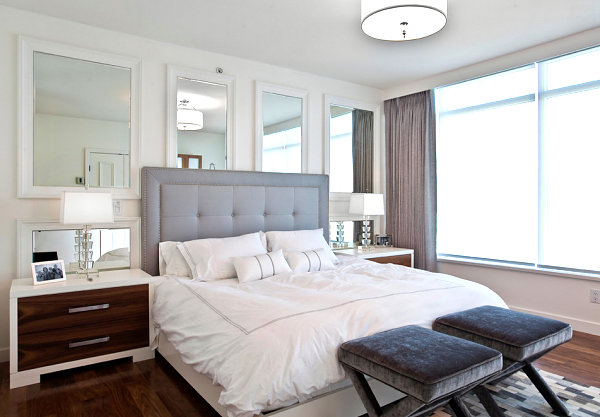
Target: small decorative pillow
[(299, 241), (309, 261), (172, 263), (211, 259), (253, 268)]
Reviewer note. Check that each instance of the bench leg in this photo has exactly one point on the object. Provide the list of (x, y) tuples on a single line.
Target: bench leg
[(549, 395), (488, 402), (364, 391), (459, 407)]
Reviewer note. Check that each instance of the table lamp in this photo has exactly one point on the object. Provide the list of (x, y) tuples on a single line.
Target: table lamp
[(366, 204), (85, 209)]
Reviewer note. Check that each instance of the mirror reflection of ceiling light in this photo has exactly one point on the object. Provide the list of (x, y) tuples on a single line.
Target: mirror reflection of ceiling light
[(394, 20), (201, 101), (188, 118)]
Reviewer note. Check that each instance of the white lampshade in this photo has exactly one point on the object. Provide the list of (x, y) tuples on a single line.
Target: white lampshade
[(189, 119), (394, 20), (366, 204), (86, 208)]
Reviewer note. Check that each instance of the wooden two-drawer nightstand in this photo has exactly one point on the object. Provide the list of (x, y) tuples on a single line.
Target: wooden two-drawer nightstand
[(77, 322), (383, 255)]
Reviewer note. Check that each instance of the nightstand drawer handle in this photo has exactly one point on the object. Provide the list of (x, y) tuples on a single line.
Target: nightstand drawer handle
[(89, 342), (89, 308)]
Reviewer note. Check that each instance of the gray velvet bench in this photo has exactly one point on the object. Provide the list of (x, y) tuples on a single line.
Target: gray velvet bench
[(431, 368), (521, 338)]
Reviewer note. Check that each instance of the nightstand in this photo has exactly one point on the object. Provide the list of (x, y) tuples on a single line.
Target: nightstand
[(383, 255), (78, 322)]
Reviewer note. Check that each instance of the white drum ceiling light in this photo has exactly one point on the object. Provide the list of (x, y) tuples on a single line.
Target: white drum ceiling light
[(393, 20), (188, 118)]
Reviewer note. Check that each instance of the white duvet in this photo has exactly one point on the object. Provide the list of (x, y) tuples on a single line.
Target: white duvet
[(271, 341)]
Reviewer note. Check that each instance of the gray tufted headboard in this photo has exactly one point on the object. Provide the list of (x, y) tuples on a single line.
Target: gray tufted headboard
[(186, 204)]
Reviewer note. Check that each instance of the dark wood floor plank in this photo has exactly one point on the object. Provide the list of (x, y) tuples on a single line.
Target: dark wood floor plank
[(154, 389)]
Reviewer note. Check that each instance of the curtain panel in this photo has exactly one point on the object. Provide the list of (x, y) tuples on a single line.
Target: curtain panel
[(362, 159), (411, 194)]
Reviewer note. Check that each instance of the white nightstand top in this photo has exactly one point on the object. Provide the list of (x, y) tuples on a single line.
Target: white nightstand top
[(24, 287), (374, 252)]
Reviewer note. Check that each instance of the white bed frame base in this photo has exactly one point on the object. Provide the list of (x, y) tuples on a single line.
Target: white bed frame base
[(343, 402)]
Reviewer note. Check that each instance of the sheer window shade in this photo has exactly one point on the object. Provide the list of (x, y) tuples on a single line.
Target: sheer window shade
[(517, 165)]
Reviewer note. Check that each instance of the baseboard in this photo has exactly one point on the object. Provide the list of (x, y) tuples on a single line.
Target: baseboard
[(585, 326), (4, 354)]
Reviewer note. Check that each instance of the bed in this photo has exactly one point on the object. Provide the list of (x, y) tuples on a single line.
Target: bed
[(269, 345)]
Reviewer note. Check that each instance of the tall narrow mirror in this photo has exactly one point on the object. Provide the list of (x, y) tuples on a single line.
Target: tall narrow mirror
[(78, 121), (352, 160), (82, 117), (281, 144), (201, 124), (200, 120)]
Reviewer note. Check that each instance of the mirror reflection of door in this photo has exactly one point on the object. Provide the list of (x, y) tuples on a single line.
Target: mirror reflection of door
[(78, 104), (106, 168), (282, 133), (189, 161), (201, 124)]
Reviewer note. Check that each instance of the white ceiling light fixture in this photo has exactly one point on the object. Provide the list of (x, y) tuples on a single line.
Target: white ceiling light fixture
[(189, 118), (393, 20)]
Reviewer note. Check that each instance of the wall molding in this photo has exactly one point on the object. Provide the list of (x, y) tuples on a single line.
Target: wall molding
[(577, 324)]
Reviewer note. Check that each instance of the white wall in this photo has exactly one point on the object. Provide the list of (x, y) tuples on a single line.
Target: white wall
[(155, 57), (560, 297), (71, 135)]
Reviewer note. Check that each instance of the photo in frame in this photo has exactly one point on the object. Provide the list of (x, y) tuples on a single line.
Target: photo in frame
[(383, 240), (48, 271)]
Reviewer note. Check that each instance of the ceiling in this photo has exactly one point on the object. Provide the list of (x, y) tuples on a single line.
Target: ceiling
[(83, 89), (324, 37), (278, 108)]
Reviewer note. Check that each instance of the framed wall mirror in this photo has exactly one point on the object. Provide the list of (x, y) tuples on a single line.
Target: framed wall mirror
[(200, 119), (115, 246), (281, 129), (352, 157), (78, 121)]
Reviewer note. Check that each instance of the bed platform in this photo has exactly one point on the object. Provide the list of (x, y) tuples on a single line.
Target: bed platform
[(186, 204)]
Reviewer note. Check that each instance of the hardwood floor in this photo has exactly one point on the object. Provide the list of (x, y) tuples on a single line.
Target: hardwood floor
[(577, 360), (152, 388)]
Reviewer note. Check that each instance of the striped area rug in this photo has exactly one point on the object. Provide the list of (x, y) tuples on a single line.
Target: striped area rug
[(517, 397)]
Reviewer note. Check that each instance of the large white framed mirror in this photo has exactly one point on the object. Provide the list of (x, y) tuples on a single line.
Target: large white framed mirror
[(281, 129), (352, 143), (78, 121), (200, 119), (115, 245)]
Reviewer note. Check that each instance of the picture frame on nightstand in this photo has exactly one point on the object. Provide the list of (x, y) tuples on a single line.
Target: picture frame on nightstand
[(48, 272)]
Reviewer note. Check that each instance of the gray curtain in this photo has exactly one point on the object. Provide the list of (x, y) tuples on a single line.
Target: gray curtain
[(411, 201), (362, 158)]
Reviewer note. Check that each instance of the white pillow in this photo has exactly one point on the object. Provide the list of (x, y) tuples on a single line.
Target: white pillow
[(299, 241), (173, 263), (309, 261), (211, 259), (253, 268)]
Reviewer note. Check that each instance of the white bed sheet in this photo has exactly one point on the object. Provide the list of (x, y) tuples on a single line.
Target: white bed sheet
[(275, 340)]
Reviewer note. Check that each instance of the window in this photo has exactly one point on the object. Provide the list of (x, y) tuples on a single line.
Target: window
[(518, 165), (341, 175), (282, 151)]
